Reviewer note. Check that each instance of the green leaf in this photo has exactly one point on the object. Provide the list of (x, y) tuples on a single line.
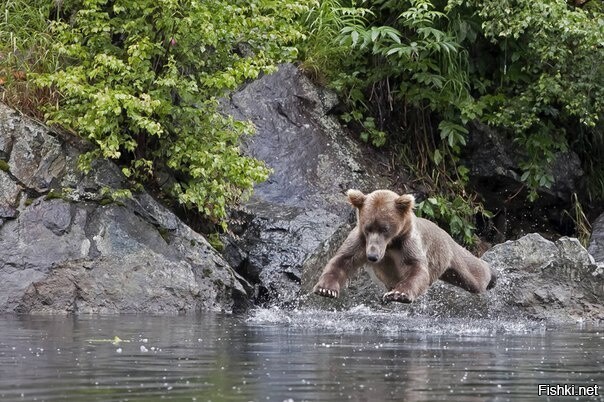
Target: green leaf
[(437, 157)]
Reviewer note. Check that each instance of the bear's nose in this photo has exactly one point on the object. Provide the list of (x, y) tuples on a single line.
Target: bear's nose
[(372, 257)]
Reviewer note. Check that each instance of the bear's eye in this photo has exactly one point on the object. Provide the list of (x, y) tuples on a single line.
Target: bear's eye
[(376, 228)]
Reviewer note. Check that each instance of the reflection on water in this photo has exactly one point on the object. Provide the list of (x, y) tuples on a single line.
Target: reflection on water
[(300, 355)]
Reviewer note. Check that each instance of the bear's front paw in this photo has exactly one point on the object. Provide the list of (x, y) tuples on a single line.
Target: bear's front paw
[(327, 286), (395, 295), (326, 292)]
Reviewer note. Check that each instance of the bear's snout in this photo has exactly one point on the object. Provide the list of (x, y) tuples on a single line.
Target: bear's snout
[(372, 257), (374, 252)]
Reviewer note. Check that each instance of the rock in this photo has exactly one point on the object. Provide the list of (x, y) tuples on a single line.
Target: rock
[(36, 159), (491, 156), (10, 190), (7, 212), (299, 216), (65, 247), (554, 281), (538, 279), (494, 162), (596, 242)]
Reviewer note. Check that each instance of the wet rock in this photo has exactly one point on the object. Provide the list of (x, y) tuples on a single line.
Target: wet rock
[(596, 242), (554, 281), (280, 244), (299, 216), (36, 159), (62, 250), (538, 279)]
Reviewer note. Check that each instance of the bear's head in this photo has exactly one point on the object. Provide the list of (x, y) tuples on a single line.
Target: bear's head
[(382, 216)]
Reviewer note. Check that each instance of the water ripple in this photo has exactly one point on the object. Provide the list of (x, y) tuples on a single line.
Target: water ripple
[(363, 319)]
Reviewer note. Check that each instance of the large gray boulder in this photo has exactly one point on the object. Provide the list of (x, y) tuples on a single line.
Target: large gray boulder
[(538, 279), (66, 246), (299, 216), (553, 281)]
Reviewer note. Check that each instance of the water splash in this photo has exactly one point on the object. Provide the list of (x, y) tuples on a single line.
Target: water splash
[(362, 319)]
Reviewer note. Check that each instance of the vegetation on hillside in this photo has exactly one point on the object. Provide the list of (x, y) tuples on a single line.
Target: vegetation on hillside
[(416, 72), (142, 81)]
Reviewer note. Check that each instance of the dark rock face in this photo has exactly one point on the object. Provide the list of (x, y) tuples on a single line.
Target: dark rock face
[(596, 242), (494, 162), (313, 159), (299, 216), (62, 250), (493, 157)]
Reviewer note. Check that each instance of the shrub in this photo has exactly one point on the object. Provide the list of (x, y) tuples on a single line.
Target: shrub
[(544, 80), (142, 81), (420, 70), (405, 66)]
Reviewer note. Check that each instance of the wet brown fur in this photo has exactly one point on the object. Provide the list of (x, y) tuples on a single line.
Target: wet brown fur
[(407, 253)]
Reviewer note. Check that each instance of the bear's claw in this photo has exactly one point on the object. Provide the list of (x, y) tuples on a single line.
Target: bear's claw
[(326, 293), (395, 295)]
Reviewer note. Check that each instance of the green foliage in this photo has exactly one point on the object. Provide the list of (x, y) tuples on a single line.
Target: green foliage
[(549, 84), (424, 69), (455, 212), (53, 195), (576, 214), (454, 135), (326, 55), (369, 133), (320, 55), (115, 195), (404, 65), (215, 241), (417, 55), (141, 80), (540, 148), (23, 28), (25, 43)]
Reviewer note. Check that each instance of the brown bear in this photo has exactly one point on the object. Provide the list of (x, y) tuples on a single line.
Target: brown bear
[(407, 253)]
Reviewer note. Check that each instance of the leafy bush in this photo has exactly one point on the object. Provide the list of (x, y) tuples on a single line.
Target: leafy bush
[(544, 81), (420, 70), (320, 55), (141, 80), (404, 65)]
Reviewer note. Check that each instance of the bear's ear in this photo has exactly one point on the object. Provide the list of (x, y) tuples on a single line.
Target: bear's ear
[(405, 202), (356, 198)]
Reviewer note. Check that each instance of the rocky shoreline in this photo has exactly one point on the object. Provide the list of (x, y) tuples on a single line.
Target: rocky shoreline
[(66, 246)]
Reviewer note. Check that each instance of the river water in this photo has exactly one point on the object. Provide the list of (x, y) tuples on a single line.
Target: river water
[(279, 355)]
